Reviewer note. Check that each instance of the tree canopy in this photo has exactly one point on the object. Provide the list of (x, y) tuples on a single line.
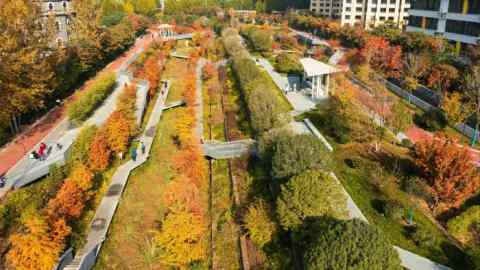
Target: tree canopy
[(351, 244), (298, 153), (310, 194)]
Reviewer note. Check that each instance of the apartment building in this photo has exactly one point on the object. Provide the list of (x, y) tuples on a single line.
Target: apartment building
[(63, 11), (456, 20), (368, 13)]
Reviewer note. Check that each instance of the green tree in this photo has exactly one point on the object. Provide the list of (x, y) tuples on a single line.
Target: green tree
[(399, 119), (258, 223), (296, 154), (81, 146), (288, 63), (310, 194), (351, 244), (145, 7), (264, 112)]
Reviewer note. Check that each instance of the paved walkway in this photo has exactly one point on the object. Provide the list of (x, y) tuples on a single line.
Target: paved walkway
[(228, 150), (99, 227), (27, 170), (45, 127), (14, 157), (199, 99), (300, 100)]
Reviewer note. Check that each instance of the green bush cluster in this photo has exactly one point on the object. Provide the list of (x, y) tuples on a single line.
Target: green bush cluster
[(433, 120), (465, 227), (393, 209), (312, 193), (288, 63), (94, 95), (261, 40), (262, 103), (351, 244)]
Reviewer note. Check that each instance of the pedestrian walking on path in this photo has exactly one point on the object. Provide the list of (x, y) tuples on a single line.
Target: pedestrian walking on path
[(134, 154), (41, 151), (142, 147)]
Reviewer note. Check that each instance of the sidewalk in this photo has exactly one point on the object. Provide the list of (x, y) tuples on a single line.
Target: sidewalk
[(52, 125)]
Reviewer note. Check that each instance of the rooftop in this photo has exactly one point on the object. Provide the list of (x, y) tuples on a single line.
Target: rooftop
[(313, 67)]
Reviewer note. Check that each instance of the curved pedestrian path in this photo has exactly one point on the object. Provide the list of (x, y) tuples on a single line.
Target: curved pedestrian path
[(55, 128), (86, 257)]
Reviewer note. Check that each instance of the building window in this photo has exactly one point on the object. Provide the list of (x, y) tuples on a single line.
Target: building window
[(347, 17), (431, 23), (463, 28), (415, 21), (391, 10), (348, 9), (358, 9), (456, 6), (50, 6), (426, 5), (358, 17), (383, 10), (64, 5)]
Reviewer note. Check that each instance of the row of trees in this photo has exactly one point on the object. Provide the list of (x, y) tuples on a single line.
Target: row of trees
[(183, 236), (35, 71), (44, 232), (303, 191), (262, 104)]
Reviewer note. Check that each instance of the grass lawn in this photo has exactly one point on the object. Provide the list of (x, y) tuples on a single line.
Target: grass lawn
[(225, 229), (174, 69), (369, 186), (283, 101), (129, 244)]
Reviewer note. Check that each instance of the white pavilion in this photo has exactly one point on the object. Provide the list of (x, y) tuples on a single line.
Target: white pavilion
[(317, 76), (166, 31)]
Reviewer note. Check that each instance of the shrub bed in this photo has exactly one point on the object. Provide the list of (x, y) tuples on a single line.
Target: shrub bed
[(94, 95)]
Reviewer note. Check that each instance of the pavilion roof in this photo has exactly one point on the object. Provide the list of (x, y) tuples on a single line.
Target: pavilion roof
[(313, 67)]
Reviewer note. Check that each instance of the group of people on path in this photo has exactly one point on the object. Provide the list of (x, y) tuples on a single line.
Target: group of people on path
[(133, 152), (40, 154)]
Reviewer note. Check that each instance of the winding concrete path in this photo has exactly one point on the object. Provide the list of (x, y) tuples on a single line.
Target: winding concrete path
[(199, 98), (85, 258)]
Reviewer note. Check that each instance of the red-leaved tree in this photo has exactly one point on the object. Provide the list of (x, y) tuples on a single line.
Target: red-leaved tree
[(448, 169)]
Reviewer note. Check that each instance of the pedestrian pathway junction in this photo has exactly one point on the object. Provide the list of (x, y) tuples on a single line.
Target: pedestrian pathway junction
[(408, 259)]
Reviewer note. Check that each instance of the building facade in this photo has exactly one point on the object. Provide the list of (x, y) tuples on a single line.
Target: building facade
[(63, 12), (456, 20), (367, 13)]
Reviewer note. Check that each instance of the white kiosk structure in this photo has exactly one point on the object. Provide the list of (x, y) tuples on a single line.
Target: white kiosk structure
[(316, 75), (166, 31)]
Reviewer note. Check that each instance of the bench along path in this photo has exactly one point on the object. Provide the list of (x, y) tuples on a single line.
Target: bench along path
[(85, 258)]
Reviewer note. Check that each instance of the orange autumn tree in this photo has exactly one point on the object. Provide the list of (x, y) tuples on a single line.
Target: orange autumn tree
[(117, 129), (99, 153), (208, 71), (382, 56), (181, 193), (151, 70), (38, 246), (190, 162), (448, 169), (70, 200)]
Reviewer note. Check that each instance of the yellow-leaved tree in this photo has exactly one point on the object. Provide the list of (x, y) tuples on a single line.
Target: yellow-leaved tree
[(182, 239), (39, 245)]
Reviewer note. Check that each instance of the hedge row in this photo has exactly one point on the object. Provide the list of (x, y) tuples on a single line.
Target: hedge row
[(94, 95), (264, 106)]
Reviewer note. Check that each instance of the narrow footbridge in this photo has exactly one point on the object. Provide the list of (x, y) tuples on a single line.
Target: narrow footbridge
[(227, 150)]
